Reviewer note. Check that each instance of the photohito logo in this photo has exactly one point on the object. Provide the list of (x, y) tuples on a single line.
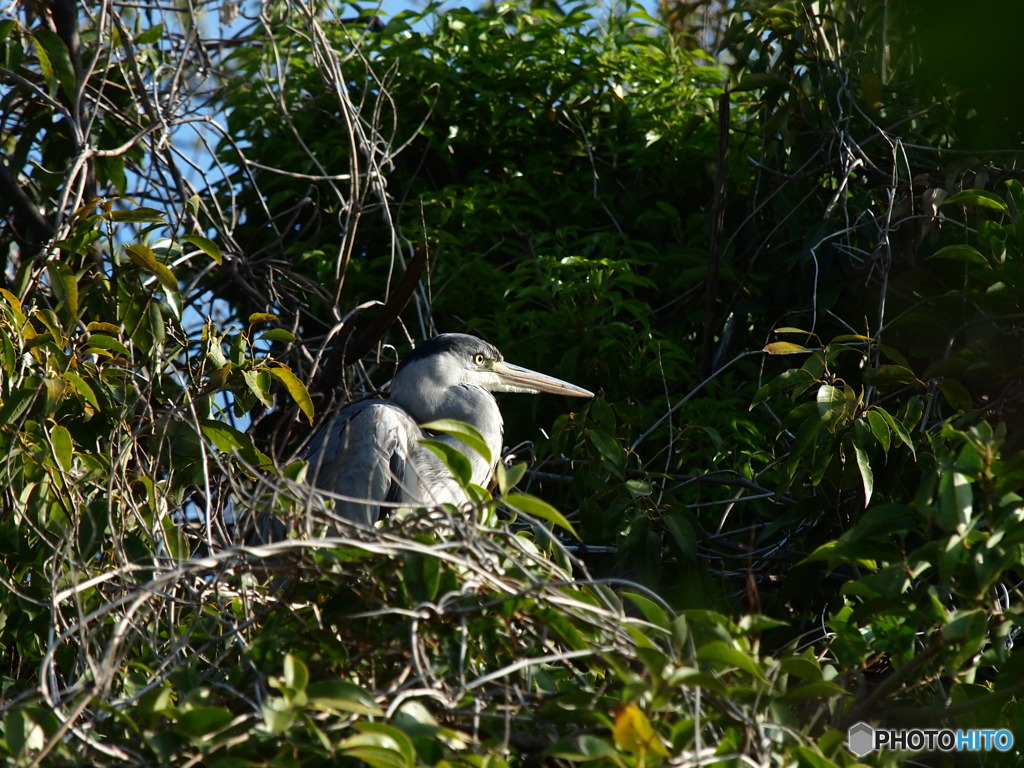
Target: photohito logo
[(861, 738)]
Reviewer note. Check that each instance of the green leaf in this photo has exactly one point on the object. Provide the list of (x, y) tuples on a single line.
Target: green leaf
[(531, 505), (861, 435), (5, 28), (652, 611), (205, 245), (232, 441), (380, 745), (785, 348), (890, 374), (610, 450), (454, 459), (103, 341), (956, 394), (137, 215), (509, 477), (277, 334), (342, 696), (961, 253), (57, 67), (719, 651), (65, 286), (259, 386), (60, 439), (956, 500), (151, 35), (978, 197), (879, 428), (296, 673), (795, 379), (898, 430), (465, 433), (145, 258), (422, 576), (832, 406), (295, 388), (202, 721), (82, 388), (791, 329), (278, 715)]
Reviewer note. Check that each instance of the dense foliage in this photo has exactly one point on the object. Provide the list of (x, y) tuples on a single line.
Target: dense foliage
[(795, 504)]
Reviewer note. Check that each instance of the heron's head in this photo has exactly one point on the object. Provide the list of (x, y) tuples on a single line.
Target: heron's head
[(454, 360)]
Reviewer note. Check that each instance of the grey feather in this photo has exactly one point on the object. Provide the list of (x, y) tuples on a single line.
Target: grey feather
[(369, 455)]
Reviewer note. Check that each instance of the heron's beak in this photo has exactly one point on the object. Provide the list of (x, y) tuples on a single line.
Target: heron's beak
[(513, 378)]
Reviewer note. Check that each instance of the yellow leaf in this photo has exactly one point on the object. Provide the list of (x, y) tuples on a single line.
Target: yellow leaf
[(633, 733), (263, 317), (295, 388), (785, 348)]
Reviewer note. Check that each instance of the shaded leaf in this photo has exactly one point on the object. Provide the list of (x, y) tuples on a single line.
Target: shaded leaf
[(202, 721), (961, 253), (102, 341), (890, 374)]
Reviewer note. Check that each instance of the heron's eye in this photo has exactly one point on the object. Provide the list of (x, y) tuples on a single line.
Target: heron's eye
[(478, 359)]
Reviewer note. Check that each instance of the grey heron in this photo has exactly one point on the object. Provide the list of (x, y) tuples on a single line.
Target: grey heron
[(369, 454)]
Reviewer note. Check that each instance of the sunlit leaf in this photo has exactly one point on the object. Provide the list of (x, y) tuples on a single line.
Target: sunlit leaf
[(465, 433), (785, 348), (531, 505), (103, 341), (60, 438), (861, 434), (341, 696), (263, 317), (453, 458), (295, 388), (956, 500), (296, 673), (879, 428), (205, 245), (65, 285), (509, 476), (633, 733), (146, 258), (277, 334), (978, 197)]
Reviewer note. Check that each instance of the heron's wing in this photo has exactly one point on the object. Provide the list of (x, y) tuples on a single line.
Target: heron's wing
[(363, 454)]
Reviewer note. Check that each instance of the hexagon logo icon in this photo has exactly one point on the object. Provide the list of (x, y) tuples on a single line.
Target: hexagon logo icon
[(860, 739)]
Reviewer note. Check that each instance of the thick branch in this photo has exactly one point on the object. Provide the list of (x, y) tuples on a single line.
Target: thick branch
[(347, 350), (25, 213)]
